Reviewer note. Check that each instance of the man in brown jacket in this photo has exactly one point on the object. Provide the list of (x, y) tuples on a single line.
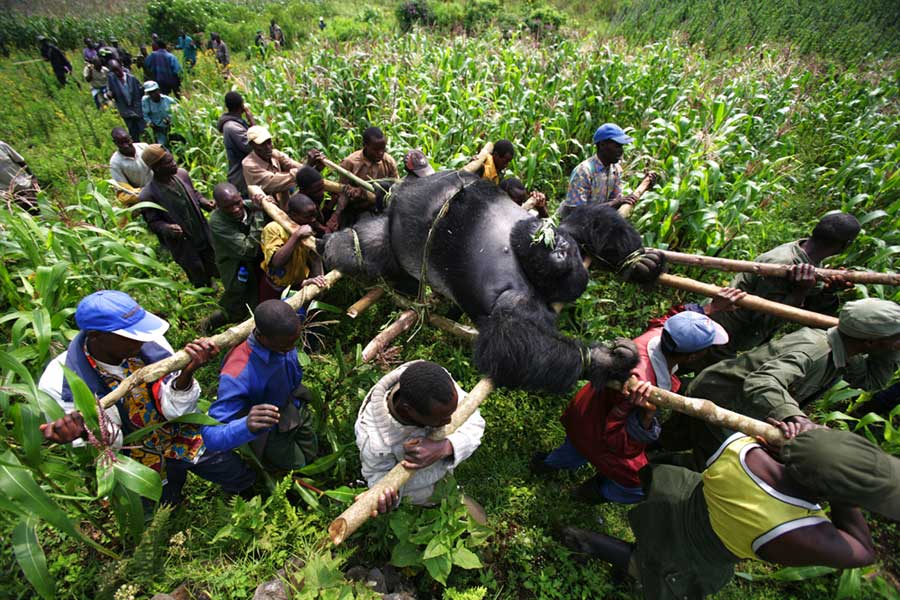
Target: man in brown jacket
[(181, 226), (270, 169), (370, 163)]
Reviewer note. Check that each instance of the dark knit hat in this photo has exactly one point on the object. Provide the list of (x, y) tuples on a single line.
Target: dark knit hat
[(843, 467)]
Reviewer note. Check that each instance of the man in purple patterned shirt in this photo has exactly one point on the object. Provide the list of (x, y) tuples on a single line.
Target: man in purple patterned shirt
[(599, 178)]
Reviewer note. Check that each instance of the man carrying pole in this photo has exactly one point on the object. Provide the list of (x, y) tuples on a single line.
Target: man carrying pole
[(778, 380), (748, 329)]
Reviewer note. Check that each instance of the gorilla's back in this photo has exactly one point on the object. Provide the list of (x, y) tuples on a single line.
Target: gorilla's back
[(469, 258)]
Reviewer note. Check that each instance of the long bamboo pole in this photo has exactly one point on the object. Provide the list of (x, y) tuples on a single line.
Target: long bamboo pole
[(333, 187), (775, 270), (360, 511), (479, 159), (404, 321), (225, 341), (279, 216), (361, 305), (782, 311), (646, 183), (351, 176), (707, 411)]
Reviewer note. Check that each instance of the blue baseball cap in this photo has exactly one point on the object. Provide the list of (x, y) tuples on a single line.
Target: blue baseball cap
[(693, 331), (611, 131), (117, 312)]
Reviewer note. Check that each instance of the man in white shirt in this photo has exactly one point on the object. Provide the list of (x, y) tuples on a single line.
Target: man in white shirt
[(126, 168), (117, 338), (394, 422)]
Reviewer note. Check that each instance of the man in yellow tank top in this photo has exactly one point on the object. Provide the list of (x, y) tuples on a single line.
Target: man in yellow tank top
[(752, 503)]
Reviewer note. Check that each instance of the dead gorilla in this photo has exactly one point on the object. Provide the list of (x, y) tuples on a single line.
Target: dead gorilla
[(478, 250)]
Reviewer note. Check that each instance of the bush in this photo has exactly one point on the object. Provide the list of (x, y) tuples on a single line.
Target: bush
[(169, 18), (480, 13), (545, 19), (68, 33), (412, 13)]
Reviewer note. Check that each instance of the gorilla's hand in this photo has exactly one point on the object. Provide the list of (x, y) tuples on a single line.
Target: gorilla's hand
[(645, 268), (612, 361)]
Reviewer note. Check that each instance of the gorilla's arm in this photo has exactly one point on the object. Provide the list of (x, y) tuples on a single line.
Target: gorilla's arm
[(518, 345), (605, 234)]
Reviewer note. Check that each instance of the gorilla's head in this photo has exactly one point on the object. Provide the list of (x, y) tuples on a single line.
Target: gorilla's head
[(556, 273)]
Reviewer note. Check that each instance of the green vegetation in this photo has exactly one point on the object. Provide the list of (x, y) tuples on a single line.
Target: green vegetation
[(847, 31), (752, 147)]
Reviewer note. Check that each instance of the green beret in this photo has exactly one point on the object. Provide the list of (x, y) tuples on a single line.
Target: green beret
[(869, 319), (845, 468)]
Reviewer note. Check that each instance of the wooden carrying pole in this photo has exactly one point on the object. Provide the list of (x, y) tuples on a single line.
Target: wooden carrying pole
[(406, 320), (224, 341), (775, 270), (352, 177), (707, 411), (782, 311), (360, 511), (361, 305), (333, 187), (478, 162), (646, 183), (280, 217)]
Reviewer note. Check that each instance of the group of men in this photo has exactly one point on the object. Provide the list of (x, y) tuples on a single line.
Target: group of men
[(704, 498)]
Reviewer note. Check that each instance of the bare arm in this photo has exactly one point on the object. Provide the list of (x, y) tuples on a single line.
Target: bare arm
[(845, 543)]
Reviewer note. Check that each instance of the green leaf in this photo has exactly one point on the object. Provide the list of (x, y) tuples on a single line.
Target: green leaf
[(106, 477), (192, 418), (342, 494), (137, 477), (323, 464), (26, 429), (30, 557), (405, 554), (850, 584), (436, 547), (8, 363), (439, 567), (18, 485), (465, 558), (307, 496), (85, 401)]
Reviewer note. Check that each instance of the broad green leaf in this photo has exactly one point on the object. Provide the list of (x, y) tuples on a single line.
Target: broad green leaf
[(26, 429), (30, 557), (850, 584), (342, 494), (439, 567), (465, 558), (106, 477), (85, 401), (129, 512), (436, 547), (307, 496), (18, 485), (8, 363), (137, 477), (405, 554), (321, 465)]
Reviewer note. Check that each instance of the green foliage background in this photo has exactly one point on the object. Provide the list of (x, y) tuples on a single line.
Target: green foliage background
[(754, 146)]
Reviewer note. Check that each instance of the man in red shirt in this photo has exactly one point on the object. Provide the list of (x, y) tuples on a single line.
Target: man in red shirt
[(610, 429)]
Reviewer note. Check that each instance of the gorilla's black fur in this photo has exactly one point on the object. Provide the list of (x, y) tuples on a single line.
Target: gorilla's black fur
[(476, 246)]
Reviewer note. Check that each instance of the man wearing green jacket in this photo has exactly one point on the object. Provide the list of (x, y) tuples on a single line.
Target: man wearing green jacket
[(778, 380), (748, 329), (236, 226)]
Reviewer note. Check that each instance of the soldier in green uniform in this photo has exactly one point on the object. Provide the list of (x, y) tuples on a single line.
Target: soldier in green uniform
[(778, 380), (236, 226), (753, 503), (747, 328)]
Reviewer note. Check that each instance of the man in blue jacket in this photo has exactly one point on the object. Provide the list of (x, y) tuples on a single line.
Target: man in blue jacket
[(165, 69), (261, 400)]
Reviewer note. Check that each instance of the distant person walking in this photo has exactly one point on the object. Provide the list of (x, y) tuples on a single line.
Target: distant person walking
[(188, 50), (164, 69), (124, 88), (57, 59), (157, 109)]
